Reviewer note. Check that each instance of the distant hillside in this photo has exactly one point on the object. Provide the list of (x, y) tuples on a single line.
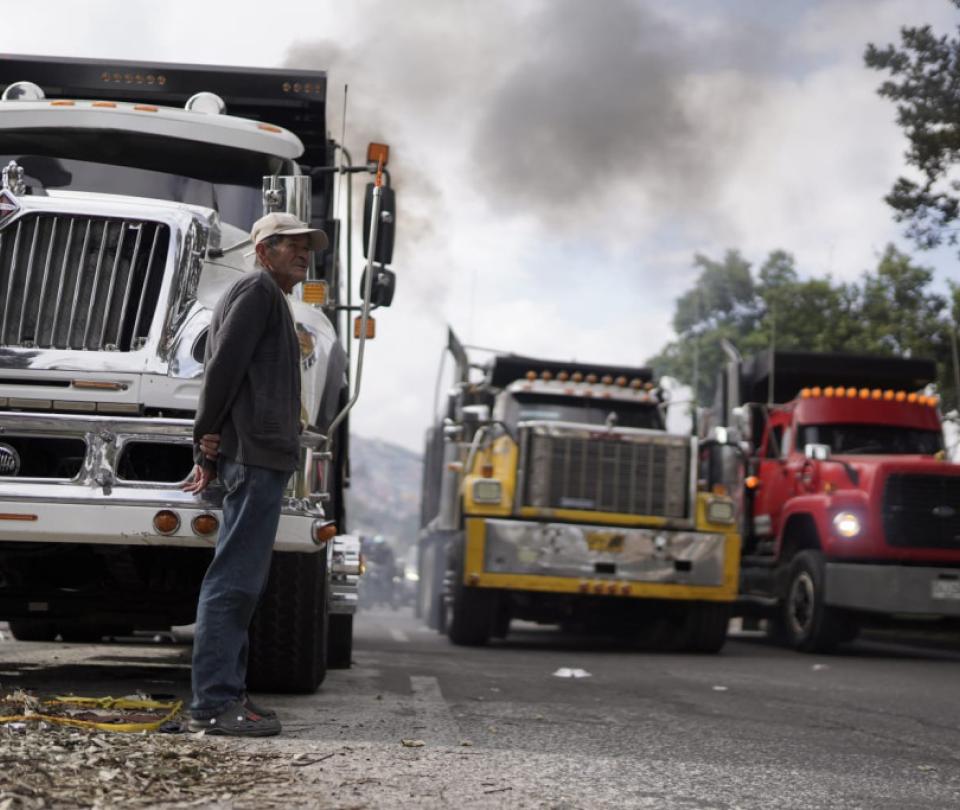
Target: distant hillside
[(384, 494)]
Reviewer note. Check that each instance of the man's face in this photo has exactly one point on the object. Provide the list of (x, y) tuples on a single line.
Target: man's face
[(288, 261)]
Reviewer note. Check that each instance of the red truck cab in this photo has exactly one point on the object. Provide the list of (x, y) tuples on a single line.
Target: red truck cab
[(851, 512)]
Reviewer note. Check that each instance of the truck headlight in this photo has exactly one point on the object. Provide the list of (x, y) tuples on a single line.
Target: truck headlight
[(846, 524), (487, 490), (720, 510)]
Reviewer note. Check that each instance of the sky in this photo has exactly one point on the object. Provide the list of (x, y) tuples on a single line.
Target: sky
[(558, 163)]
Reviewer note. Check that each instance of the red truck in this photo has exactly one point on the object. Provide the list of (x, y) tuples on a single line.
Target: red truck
[(850, 510)]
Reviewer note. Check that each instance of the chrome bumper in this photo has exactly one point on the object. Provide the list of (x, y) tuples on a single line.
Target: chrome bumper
[(589, 552), (97, 506), (894, 589)]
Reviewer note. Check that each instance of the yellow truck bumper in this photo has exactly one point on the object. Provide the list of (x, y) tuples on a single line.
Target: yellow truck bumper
[(638, 563)]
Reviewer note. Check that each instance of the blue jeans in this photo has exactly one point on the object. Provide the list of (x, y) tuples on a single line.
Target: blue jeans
[(234, 583)]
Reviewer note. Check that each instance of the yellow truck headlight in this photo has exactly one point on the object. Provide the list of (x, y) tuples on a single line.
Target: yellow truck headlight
[(720, 510), (487, 490)]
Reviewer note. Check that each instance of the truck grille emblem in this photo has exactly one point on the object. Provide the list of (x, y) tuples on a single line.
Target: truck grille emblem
[(944, 511), (8, 204), (9, 460)]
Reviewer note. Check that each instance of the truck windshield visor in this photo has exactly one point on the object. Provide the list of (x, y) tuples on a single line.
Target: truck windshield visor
[(529, 407), (872, 439)]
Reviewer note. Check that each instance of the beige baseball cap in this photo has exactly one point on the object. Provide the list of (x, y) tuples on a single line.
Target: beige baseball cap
[(280, 223)]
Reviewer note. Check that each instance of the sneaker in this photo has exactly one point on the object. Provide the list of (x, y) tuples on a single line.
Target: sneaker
[(236, 721), (256, 709)]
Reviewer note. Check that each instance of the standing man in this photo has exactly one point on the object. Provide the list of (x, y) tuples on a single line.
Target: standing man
[(246, 432)]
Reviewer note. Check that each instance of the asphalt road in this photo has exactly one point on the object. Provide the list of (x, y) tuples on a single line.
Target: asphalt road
[(876, 726)]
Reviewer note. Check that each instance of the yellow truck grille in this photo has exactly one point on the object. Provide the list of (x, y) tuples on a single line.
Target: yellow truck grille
[(635, 475)]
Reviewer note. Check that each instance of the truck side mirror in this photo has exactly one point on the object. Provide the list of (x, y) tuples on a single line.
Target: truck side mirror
[(818, 452), (381, 288), (383, 250)]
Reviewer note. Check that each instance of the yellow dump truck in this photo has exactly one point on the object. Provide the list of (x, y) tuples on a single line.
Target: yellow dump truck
[(553, 493)]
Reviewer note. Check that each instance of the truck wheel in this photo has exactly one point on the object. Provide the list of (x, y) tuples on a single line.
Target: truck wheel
[(806, 623), (340, 645), (33, 629), (707, 626), (288, 634), (470, 612)]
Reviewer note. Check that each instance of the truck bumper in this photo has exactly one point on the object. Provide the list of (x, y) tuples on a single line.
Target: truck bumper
[(601, 560), (894, 589)]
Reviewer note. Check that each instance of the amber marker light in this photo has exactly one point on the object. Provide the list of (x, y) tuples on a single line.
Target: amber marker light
[(205, 525), (719, 489), (166, 521), (583, 587), (99, 385), (828, 391), (22, 516), (607, 379), (851, 392), (563, 376), (63, 103), (864, 393), (110, 105), (901, 396), (751, 482), (816, 391), (486, 470), (888, 396), (371, 327), (636, 385), (145, 108), (622, 382), (805, 393), (876, 393), (323, 531), (378, 153), (531, 375), (624, 590), (598, 588), (591, 378), (269, 128), (315, 292), (577, 377), (911, 397), (546, 376)]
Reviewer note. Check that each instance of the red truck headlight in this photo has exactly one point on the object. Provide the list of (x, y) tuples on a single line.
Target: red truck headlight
[(847, 524)]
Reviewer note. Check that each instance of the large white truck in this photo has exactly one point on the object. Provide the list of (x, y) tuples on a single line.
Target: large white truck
[(128, 192)]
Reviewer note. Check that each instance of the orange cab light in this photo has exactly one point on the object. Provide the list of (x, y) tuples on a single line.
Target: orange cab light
[(598, 588), (607, 379), (828, 391), (378, 153), (888, 395), (933, 401), (592, 379), (205, 525), (624, 590), (62, 103), (648, 386), (876, 393), (583, 587), (166, 521), (546, 375), (911, 397), (563, 376), (371, 327), (636, 385), (99, 385), (901, 396), (612, 588), (864, 393), (816, 391), (111, 105), (474, 579), (531, 375), (22, 516), (621, 381), (315, 292), (145, 108), (805, 393), (269, 128), (719, 489), (851, 391), (751, 482), (486, 470), (577, 377)]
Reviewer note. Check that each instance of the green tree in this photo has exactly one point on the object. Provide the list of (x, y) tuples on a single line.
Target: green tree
[(924, 84)]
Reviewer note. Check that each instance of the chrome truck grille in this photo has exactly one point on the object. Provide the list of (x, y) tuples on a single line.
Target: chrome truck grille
[(634, 474), (922, 511), (70, 282)]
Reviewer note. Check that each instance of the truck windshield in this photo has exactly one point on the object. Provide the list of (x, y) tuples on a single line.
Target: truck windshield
[(237, 203), (872, 439), (528, 407)]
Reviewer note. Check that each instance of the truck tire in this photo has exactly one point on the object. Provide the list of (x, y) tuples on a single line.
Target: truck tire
[(33, 629), (707, 626), (806, 623), (288, 634), (470, 611), (340, 644)]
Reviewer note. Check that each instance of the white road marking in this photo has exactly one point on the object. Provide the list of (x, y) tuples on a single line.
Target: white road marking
[(433, 712), (398, 635)]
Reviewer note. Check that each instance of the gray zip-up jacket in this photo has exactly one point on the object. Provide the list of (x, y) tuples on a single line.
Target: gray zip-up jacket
[(251, 382)]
